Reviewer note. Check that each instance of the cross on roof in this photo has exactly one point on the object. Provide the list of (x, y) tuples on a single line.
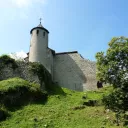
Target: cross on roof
[(40, 20)]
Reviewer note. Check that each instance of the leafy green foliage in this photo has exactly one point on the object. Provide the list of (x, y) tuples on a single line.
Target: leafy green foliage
[(43, 74), (16, 92), (14, 83), (117, 100), (112, 68), (5, 60), (63, 111)]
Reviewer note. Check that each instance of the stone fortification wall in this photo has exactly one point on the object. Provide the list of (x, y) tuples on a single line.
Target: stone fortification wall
[(22, 71), (50, 61), (26, 71), (74, 72)]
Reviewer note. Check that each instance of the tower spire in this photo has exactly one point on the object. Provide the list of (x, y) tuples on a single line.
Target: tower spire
[(40, 25), (40, 20)]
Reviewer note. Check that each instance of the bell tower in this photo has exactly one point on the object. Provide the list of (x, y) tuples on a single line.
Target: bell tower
[(39, 45)]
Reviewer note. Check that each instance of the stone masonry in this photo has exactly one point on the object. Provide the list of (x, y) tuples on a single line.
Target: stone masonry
[(74, 72), (68, 69), (22, 71)]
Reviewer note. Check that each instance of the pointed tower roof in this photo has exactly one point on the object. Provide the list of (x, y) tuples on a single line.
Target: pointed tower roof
[(40, 26)]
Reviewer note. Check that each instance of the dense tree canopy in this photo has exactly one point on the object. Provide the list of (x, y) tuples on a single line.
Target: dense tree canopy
[(112, 67)]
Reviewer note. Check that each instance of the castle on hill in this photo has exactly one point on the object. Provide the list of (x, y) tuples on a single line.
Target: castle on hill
[(68, 69)]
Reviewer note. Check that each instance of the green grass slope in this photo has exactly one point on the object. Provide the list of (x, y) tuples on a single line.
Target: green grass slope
[(63, 109)]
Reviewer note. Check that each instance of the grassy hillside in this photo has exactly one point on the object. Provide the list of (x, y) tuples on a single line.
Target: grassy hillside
[(63, 108)]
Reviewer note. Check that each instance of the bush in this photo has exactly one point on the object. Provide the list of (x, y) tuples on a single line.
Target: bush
[(42, 73), (16, 92), (5, 60), (112, 68), (117, 100)]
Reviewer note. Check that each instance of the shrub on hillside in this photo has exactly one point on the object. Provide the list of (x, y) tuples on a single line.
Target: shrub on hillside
[(117, 100), (42, 73), (112, 68), (17, 92), (5, 60)]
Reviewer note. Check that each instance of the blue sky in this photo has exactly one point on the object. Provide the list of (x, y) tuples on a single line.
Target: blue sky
[(83, 25)]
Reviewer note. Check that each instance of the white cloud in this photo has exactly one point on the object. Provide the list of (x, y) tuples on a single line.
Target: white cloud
[(26, 3), (20, 3), (21, 54), (18, 55), (22, 9)]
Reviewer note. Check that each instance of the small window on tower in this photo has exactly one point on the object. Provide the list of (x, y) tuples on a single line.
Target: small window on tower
[(44, 34), (37, 32)]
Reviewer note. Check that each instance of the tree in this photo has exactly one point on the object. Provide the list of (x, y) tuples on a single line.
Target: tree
[(112, 68)]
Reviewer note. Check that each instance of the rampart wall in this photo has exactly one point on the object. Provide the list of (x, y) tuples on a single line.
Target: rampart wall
[(74, 72), (24, 70)]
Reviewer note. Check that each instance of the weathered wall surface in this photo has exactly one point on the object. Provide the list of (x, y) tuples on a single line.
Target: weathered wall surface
[(21, 71), (24, 71), (50, 61), (74, 72), (38, 47)]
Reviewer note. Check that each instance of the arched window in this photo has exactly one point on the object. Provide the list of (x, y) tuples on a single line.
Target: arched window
[(37, 32), (43, 34)]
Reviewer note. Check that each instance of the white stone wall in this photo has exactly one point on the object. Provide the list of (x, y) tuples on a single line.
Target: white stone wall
[(50, 62), (74, 72), (38, 47)]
